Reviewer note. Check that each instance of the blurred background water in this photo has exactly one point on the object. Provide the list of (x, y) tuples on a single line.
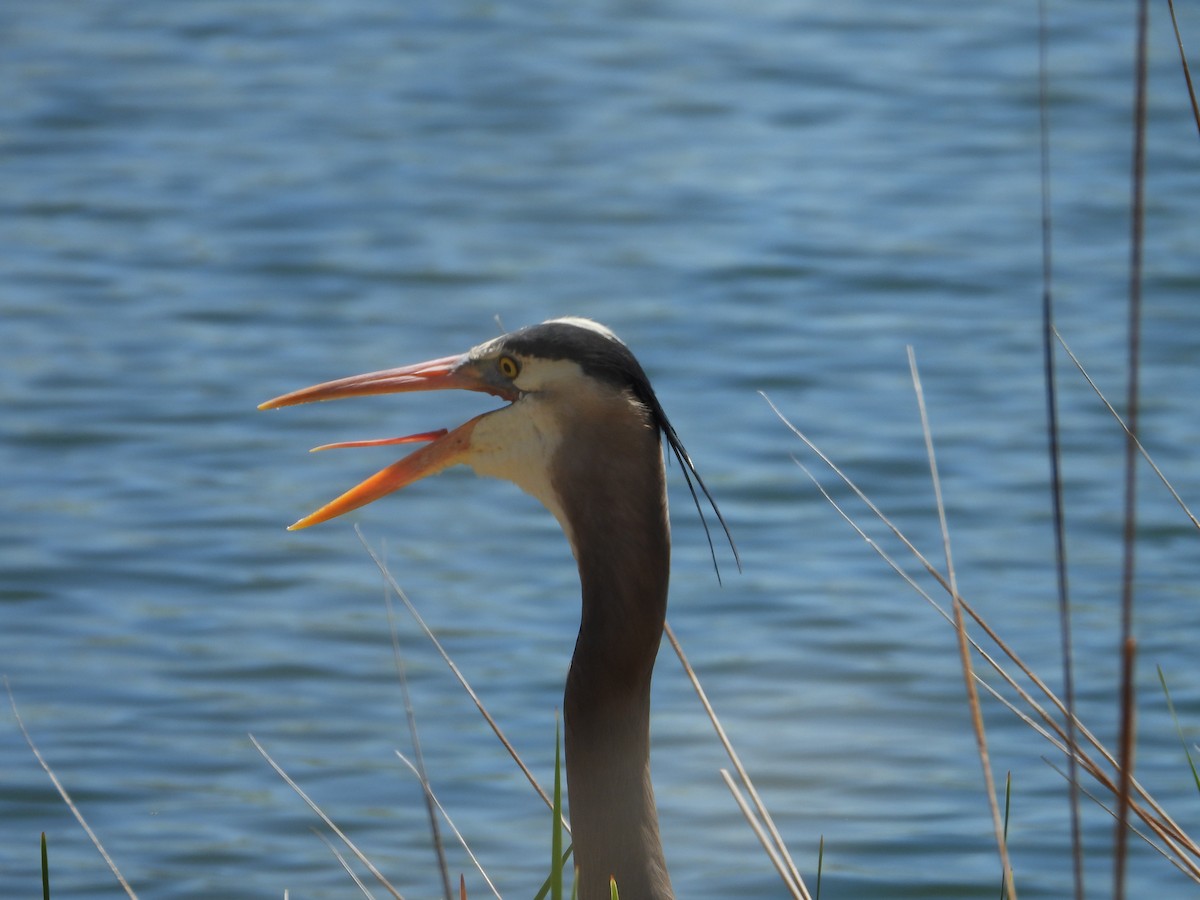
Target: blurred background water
[(207, 204)]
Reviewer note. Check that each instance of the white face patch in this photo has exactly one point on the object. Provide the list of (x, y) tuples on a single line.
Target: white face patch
[(549, 374)]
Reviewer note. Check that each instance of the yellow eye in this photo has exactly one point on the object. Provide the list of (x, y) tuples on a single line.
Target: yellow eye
[(508, 367)]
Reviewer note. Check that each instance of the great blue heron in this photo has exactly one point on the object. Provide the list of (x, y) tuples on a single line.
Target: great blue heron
[(581, 433)]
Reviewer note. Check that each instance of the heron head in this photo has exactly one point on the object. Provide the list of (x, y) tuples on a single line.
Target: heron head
[(554, 376), (567, 379)]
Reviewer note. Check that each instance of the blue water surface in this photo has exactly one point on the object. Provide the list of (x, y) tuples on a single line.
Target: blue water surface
[(207, 204)]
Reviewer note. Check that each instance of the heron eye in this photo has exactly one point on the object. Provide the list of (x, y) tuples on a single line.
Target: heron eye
[(509, 367)]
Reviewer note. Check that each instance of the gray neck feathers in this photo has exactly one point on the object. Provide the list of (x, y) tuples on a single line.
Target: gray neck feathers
[(618, 513)]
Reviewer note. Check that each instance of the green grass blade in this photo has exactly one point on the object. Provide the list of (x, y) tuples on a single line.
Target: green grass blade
[(45, 870), (556, 861), (553, 885), (1178, 729), (820, 865), (1007, 808), (544, 891)]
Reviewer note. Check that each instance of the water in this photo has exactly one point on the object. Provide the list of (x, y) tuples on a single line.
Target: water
[(205, 205)]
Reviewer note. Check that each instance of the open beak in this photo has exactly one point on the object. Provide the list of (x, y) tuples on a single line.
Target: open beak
[(445, 448)]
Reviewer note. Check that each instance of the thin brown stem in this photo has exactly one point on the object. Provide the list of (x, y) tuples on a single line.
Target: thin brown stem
[(330, 824), (462, 680), (1187, 72), (66, 798), (789, 873), (1128, 645), (414, 735), (964, 648), (1141, 449), (1144, 806), (1053, 447)]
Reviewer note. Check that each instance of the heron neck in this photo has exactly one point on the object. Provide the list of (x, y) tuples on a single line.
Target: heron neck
[(624, 564)]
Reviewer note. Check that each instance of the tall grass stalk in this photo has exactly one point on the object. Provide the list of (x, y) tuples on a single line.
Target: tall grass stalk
[(450, 824), (1053, 445), (1128, 642), (395, 588), (66, 798), (755, 811), (329, 823), (1046, 716), (418, 763), (960, 628)]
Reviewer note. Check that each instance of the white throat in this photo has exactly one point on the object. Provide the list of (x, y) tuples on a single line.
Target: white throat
[(518, 443)]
